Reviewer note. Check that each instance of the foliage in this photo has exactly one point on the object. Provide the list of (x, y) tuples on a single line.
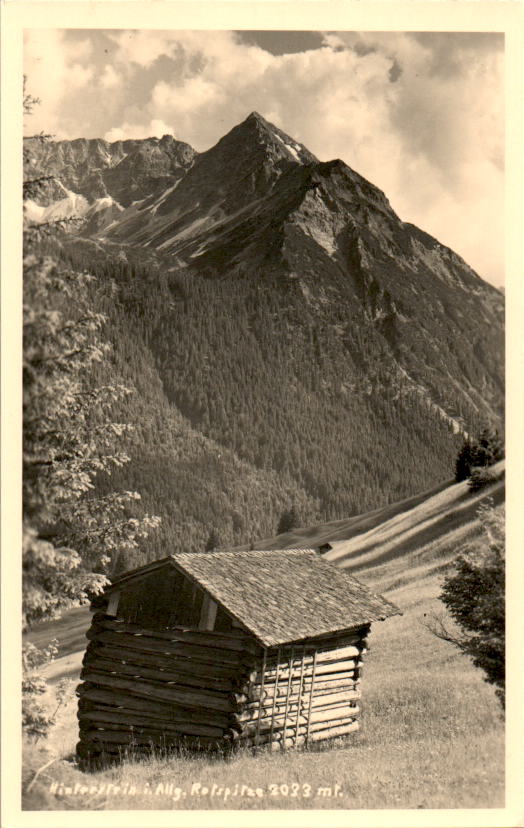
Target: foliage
[(72, 534), (463, 462), (489, 448), (480, 477), (253, 405), (36, 718), (484, 451), (474, 594), (288, 520), (213, 541)]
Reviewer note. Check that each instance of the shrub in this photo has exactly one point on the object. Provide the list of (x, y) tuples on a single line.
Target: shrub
[(36, 719), (288, 520), (481, 477), (474, 595)]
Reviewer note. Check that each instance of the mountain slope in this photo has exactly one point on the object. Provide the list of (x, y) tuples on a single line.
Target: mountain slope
[(289, 318), (401, 543), (123, 170), (402, 546), (259, 205)]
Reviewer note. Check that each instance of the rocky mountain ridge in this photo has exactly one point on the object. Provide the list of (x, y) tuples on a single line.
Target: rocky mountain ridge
[(125, 171)]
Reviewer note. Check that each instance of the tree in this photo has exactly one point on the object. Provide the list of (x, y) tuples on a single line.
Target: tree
[(463, 462), (72, 536), (489, 448), (485, 451), (474, 596), (288, 520), (213, 541)]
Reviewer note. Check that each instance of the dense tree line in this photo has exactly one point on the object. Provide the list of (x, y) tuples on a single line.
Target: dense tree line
[(247, 403)]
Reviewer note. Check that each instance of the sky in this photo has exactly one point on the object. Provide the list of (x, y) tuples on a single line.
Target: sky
[(421, 115)]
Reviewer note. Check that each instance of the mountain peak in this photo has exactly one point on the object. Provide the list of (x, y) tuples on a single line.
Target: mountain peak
[(266, 134), (256, 117), (256, 121)]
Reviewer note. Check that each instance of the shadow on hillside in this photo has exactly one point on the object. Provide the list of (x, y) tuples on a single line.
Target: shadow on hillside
[(347, 528), (438, 527)]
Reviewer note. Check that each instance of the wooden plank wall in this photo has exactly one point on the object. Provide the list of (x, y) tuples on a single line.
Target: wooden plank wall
[(207, 689)]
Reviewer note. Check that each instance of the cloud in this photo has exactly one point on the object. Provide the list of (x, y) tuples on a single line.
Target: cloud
[(109, 79), (418, 114), (56, 72), (156, 128)]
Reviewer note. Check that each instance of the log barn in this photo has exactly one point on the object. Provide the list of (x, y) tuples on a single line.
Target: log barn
[(225, 648)]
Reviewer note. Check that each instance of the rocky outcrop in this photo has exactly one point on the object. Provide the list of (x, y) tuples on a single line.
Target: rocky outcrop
[(126, 171)]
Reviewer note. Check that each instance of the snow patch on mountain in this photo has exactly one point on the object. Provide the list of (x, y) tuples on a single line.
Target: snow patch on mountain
[(163, 197), (72, 206), (103, 204), (187, 232), (291, 149)]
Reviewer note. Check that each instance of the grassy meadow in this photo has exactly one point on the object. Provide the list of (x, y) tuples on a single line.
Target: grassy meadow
[(432, 733)]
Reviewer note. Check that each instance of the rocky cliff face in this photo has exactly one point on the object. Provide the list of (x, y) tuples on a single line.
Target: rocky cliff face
[(126, 171)]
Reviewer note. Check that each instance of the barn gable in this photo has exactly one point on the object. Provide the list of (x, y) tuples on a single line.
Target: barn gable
[(278, 596)]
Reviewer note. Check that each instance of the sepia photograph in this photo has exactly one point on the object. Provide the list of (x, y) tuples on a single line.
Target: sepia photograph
[(263, 433)]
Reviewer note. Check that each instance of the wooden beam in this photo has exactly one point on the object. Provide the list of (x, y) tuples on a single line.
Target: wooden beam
[(208, 614), (169, 662), (261, 696), (289, 681), (300, 692), (209, 638), (170, 677), (190, 697), (210, 655), (112, 605), (275, 696)]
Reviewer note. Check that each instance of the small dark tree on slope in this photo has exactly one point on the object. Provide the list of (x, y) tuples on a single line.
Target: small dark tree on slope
[(288, 521), (485, 451), (213, 541), (474, 596), (464, 462)]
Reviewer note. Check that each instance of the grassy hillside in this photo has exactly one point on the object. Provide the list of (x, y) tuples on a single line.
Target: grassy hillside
[(432, 735), (420, 533)]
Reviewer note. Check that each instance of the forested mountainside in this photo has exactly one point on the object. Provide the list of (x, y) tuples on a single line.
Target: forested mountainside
[(291, 340)]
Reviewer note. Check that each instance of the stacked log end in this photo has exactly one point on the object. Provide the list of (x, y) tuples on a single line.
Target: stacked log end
[(146, 689), (305, 692)]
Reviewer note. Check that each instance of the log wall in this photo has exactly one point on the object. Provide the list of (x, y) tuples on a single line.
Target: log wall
[(163, 688)]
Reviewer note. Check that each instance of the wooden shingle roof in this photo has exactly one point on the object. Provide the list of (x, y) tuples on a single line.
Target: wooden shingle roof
[(282, 595)]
